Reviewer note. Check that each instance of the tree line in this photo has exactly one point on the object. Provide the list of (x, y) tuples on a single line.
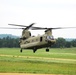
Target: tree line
[(62, 43), (14, 42), (9, 42)]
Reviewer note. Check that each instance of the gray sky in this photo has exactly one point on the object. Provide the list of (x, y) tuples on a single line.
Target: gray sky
[(45, 13)]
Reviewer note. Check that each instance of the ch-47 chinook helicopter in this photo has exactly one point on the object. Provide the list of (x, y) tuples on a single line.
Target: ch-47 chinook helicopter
[(36, 42)]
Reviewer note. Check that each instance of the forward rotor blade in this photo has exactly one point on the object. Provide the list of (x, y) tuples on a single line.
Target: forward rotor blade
[(20, 25), (9, 28), (33, 28), (29, 26)]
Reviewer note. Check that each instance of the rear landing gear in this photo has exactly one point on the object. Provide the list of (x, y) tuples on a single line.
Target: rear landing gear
[(21, 50), (47, 50)]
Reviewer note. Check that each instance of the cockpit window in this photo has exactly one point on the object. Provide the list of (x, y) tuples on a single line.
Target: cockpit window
[(50, 37)]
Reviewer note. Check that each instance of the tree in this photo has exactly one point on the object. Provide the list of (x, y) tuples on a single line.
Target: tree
[(60, 43), (73, 43), (68, 44)]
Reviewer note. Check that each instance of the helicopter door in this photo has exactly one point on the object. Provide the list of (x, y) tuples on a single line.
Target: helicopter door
[(40, 39)]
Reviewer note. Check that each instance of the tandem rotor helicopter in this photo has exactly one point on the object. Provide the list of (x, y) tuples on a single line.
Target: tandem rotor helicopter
[(35, 42)]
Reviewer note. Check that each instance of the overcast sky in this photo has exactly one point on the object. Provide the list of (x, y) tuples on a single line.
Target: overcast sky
[(45, 13)]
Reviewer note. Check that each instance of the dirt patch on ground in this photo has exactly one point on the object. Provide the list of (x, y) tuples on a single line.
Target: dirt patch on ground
[(39, 57), (25, 74)]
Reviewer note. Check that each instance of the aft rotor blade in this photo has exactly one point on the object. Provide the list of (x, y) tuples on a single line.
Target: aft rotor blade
[(66, 27), (39, 28), (42, 28)]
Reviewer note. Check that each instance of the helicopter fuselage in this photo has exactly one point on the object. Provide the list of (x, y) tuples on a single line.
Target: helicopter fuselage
[(37, 42)]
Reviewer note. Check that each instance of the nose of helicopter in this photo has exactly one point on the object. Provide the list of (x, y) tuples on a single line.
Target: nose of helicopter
[(51, 39)]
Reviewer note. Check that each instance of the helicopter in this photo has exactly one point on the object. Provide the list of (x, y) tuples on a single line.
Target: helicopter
[(35, 42)]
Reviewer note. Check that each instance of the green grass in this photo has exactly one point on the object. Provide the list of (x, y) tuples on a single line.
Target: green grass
[(57, 61)]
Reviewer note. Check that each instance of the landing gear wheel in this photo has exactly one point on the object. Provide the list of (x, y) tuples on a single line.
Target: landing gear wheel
[(47, 50), (34, 50), (21, 50)]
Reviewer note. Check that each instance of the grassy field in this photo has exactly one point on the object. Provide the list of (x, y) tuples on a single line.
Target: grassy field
[(57, 61)]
